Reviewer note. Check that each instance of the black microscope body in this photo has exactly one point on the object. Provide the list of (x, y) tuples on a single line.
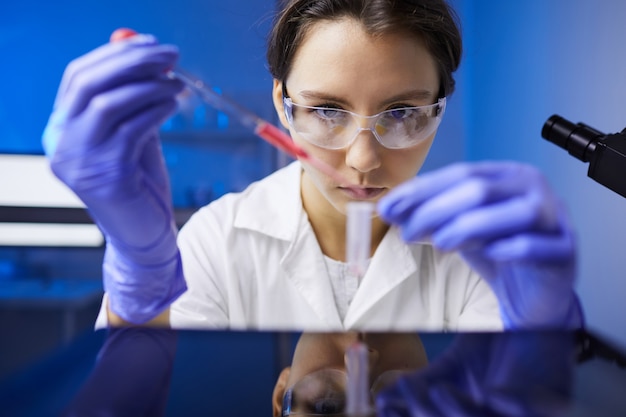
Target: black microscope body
[(606, 154)]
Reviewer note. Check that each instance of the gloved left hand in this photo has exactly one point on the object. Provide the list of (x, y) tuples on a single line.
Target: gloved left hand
[(131, 377), (506, 222), (102, 141)]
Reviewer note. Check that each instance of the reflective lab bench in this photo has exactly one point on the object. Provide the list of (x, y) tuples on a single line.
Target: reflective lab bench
[(158, 372)]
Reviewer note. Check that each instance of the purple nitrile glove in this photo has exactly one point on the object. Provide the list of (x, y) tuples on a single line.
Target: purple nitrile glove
[(102, 142), (521, 374), (508, 225)]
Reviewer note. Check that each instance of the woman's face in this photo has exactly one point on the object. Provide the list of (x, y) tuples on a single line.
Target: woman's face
[(339, 65), (389, 354)]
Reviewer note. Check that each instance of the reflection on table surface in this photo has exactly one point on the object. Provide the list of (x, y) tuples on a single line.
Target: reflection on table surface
[(159, 372)]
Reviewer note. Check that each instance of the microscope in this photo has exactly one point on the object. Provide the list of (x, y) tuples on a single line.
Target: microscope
[(606, 154)]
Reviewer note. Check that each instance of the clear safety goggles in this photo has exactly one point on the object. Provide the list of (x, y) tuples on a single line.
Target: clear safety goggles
[(333, 128), (323, 392)]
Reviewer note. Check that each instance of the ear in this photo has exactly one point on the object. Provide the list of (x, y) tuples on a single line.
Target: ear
[(279, 392), (277, 97)]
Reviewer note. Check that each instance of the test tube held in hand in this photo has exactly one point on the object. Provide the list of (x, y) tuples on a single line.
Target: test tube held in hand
[(358, 236)]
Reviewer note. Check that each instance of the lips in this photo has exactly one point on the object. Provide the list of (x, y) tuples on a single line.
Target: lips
[(362, 193)]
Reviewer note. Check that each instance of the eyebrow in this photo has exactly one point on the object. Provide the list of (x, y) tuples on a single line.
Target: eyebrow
[(418, 94)]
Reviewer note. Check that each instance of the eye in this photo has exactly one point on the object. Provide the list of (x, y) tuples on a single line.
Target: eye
[(328, 112), (401, 113)]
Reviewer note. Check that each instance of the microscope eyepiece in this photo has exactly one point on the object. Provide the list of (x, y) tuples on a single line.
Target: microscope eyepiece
[(578, 139), (606, 154)]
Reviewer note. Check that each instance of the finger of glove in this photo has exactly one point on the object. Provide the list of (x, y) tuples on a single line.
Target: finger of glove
[(440, 209), (109, 171), (404, 399), (509, 397), (97, 55), (532, 246), (459, 219), (422, 205), (480, 225), (130, 64), (454, 366), (152, 163), (125, 114), (137, 109), (452, 373), (403, 200)]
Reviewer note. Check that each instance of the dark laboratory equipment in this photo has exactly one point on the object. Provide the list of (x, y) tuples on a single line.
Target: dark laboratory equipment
[(606, 153)]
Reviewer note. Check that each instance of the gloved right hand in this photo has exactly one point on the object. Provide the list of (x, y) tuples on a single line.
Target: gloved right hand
[(520, 374), (102, 142), (509, 226)]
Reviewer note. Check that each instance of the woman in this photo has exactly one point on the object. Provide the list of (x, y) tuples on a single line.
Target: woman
[(361, 85)]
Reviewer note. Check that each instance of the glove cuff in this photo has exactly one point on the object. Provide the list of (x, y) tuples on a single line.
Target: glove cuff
[(141, 283), (572, 318), (140, 293), (162, 250)]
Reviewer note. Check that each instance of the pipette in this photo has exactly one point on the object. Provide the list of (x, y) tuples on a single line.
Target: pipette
[(358, 236), (260, 127), (357, 392)]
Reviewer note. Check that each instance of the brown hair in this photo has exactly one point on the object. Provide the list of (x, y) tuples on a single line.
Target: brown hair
[(433, 21)]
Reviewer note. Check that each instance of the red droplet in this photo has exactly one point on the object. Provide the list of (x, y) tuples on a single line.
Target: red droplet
[(121, 34)]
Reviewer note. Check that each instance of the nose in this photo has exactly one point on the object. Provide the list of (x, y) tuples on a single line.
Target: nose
[(363, 154), (373, 358)]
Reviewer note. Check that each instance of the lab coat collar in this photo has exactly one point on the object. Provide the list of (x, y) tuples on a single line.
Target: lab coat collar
[(393, 263), (273, 206), (305, 268)]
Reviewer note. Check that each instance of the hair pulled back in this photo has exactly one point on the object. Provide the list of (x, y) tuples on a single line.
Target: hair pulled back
[(433, 21)]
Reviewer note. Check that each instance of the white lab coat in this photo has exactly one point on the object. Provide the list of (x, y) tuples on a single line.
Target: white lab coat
[(252, 261)]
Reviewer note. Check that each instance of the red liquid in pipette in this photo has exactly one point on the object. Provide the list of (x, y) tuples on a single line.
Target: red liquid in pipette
[(280, 139), (283, 141), (271, 133)]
